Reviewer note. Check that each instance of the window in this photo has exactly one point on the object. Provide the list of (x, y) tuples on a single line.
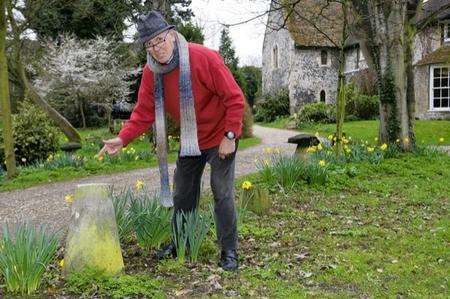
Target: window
[(358, 58), (275, 57), (447, 32), (440, 88), (322, 96), (323, 57)]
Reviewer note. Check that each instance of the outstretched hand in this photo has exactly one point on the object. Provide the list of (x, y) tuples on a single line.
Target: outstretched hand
[(112, 147)]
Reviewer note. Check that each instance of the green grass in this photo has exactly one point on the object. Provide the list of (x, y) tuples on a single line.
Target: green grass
[(29, 176), (427, 131), (382, 232)]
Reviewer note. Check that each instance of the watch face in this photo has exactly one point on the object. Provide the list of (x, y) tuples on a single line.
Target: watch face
[(230, 135)]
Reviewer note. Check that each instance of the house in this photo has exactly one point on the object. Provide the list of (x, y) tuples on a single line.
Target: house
[(300, 59)]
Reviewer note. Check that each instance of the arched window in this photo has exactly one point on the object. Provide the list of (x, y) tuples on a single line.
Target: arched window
[(324, 57), (322, 96), (275, 57)]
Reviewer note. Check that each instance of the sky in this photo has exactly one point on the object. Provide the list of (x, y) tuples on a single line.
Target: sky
[(247, 38)]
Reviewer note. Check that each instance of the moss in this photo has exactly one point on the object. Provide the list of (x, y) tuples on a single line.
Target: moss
[(94, 247)]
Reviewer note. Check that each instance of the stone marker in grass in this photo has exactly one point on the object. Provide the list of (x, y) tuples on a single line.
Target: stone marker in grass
[(92, 240)]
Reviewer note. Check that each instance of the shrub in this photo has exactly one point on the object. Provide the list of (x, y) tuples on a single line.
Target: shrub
[(315, 112), (272, 107), (359, 105), (24, 257), (35, 137)]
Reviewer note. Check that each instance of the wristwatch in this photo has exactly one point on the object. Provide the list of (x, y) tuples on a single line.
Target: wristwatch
[(230, 135)]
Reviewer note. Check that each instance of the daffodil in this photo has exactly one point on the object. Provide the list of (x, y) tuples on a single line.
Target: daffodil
[(69, 198), (370, 149), (317, 134), (322, 163), (61, 263), (319, 147), (398, 140), (406, 140), (441, 139), (139, 184), (330, 137), (383, 146), (268, 150), (311, 149), (376, 138), (246, 185)]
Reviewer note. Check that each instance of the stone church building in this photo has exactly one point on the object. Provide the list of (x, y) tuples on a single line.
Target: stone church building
[(304, 61)]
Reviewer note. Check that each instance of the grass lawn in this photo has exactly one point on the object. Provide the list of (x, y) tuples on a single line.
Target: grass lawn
[(427, 131), (140, 157), (381, 232)]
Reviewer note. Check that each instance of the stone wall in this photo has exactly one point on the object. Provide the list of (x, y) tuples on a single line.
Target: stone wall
[(308, 77), (275, 78)]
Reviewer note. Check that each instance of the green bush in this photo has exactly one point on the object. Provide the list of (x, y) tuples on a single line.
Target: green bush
[(272, 106), (35, 137), (360, 106), (315, 112)]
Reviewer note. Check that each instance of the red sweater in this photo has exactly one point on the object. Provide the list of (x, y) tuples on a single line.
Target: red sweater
[(219, 102)]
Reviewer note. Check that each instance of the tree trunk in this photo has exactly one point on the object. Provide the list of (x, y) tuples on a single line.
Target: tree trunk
[(340, 105), (83, 118), (28, 90), (4, 98), (383, 25)]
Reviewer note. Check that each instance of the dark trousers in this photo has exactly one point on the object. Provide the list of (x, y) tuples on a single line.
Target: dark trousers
[(186, 195)]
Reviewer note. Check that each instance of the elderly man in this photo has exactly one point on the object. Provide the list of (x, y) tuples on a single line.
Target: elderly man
[(191, 83)]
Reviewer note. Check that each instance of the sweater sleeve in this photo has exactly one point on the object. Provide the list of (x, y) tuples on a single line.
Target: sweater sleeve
[(230, 93), (143, 114)]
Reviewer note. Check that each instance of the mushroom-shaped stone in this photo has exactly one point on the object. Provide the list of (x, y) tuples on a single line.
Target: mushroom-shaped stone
[(70, 146), (303, 141), (93, 240)]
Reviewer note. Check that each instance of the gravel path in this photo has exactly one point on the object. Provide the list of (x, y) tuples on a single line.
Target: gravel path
[(45, 204)]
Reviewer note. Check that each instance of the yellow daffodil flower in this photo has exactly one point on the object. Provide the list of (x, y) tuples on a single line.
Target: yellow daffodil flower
[(69, 198), (139, 184), (384, 146), (322, 163), (246, 185)]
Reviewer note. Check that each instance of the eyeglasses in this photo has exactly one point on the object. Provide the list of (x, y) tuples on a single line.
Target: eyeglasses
[(157, 42)]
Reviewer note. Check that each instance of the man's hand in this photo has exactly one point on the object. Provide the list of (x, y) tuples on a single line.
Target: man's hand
[(112, 147), (226, 147)]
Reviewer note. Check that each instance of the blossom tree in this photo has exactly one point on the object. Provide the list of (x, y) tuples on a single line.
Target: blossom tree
[(88, 70)]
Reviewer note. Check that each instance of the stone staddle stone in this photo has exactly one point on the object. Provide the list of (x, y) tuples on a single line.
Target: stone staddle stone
[(92, 239)]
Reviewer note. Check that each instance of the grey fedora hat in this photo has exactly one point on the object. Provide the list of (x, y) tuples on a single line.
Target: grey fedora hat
[(151, 25)]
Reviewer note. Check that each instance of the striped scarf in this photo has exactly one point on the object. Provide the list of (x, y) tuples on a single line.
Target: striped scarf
[(189, 142)]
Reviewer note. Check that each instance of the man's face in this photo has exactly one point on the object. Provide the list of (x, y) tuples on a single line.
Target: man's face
[(161, 46)]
